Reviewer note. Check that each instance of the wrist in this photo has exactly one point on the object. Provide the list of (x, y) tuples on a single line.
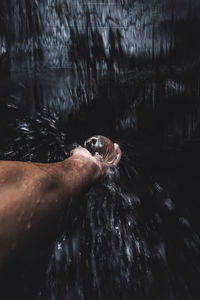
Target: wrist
[(85, 165)]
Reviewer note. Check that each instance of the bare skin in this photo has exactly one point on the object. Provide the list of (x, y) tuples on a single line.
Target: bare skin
[(33, 195)]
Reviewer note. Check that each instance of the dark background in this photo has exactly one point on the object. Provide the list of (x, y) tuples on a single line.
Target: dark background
[(128, 70)]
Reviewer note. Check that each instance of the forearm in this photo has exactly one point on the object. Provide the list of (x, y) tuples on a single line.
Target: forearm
[(31, 203)]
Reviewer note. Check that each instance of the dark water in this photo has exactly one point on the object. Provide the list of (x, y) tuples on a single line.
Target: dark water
[(128, 70)]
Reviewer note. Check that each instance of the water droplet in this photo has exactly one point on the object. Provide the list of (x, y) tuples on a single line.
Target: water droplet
[(59, 246)]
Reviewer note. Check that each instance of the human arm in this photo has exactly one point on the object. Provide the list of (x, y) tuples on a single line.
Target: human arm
[(34, 195)]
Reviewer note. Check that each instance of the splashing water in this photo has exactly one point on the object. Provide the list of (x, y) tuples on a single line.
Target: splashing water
[(122, 239), (130, 74)]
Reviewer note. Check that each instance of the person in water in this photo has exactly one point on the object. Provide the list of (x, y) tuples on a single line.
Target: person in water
[(34, 195)]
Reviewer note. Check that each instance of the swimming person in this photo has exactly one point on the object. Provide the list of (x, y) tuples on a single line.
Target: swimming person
[(34, 195)]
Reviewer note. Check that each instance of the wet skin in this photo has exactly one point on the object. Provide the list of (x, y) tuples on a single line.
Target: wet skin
[(34, 195)]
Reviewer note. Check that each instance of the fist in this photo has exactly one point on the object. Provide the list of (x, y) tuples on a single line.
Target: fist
[(102, 151)]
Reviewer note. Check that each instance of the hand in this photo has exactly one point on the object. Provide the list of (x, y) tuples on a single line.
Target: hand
[(82, 153)]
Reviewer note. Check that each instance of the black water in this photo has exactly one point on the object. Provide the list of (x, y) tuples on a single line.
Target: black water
[(128, 70)]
